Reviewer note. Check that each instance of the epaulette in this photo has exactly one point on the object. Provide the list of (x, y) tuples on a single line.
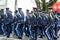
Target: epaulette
[(15, 15), (19, 14), (56, 16), (33, 14), (51, 15), (40, 16)]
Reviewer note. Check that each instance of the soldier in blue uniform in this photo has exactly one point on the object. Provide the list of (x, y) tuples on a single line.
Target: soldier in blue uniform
[(3, 22), (27, 23), (40, 25), (2, 16), (44, 22), (46, 30), (20, 23), (0, 22), (9, 22), (52, 28), (15, 22), (57, 22), (50, 32), (33, 28)]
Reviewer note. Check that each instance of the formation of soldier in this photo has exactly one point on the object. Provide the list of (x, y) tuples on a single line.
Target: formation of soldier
[(36, 24)]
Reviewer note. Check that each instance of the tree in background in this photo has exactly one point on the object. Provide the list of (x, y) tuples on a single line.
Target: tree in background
[(45, 4)]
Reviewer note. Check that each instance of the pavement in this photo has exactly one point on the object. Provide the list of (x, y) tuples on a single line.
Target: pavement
[(24, 38)]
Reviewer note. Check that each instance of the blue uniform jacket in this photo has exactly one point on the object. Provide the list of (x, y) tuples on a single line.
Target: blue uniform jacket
[(4, 18), (44, 19), (21, 18), (39, 20), (36, 14), (33, 21), (15, 18), (58, 20), (28, 19), (52, 19), (10, 17)]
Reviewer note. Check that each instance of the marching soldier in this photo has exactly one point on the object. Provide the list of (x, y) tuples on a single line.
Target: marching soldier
[(20, 23), (46, 30), (9, 22), (57, 22), (40, 25), (15, 22), (27, 23), (3, 17), (50, 32), (44, 22), (0, 22), (33, 27), (52, 23), (3, 22)]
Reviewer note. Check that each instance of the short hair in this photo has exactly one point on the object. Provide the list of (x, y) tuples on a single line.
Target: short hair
[(7, 8)]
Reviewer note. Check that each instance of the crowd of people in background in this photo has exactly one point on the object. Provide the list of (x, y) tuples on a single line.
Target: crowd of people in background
[(37, 23)]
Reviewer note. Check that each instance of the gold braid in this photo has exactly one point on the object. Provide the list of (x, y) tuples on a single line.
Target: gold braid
[(40, 16), (56, 16), (33, 15), (51, 15), (15, 15)]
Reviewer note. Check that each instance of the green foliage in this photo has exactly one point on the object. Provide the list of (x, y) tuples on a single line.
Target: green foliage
[(46, 5)]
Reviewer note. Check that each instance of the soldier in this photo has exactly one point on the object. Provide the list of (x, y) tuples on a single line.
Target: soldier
[(0, 22), (57, 22), (27, 23), (20, 23), (50, 32), (40, 25), (9, 22), (33, 28), (15, 22), (46, 30), (3, 22), (44, 22), (52, 23)]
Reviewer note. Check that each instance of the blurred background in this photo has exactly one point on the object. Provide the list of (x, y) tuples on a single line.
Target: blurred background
[(24, 4)]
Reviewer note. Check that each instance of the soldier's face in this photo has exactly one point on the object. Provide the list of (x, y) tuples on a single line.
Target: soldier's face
[(19, 9)]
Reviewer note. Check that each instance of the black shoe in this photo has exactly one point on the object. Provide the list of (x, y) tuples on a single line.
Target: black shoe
[(55, 38), (27, 35), (20, 37), (7, 36)]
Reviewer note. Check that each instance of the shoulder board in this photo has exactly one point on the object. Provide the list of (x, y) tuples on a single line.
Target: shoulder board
[(56, 16), (51, 15), (40, 16)]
